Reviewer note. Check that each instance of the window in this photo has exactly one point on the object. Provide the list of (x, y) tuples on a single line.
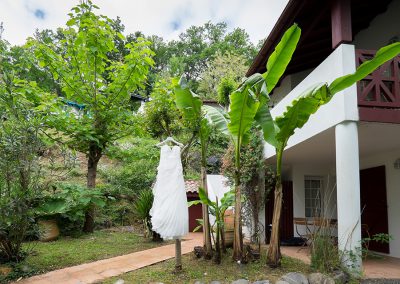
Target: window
[(313, 198)]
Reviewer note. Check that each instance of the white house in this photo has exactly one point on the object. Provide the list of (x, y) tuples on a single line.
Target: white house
[(346, 160)]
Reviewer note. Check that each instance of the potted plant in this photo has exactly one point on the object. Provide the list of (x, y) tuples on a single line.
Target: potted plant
[(68, 201)]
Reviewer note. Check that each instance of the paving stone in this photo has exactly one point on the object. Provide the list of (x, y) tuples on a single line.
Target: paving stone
[(261, 282), (319, 278), (215, 282), (295, 278), (380, 281), (281, 282), (241, 281), (340, 277)]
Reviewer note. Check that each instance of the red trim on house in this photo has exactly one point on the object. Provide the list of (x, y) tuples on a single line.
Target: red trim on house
[(379, 93), (379, 115), (341, 22)]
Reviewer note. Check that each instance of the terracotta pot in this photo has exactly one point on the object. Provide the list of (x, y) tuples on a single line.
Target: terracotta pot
[(229, 238), (229, 220), (48, 230), (5, 270)]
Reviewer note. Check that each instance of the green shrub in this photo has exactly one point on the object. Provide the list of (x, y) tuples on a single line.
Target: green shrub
[(130, 179), (134, 169), (68, 204), (225, 87), (134, 149), (324, 253), (20, 170), (137, 166), (119, 212), (142, 208)]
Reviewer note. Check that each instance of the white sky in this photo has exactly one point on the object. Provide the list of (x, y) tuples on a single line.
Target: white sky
[(166, 18)]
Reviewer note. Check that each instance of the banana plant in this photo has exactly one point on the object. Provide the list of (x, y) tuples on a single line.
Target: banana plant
[(201, 118), (249, 104), (277, 132), (217, 209)]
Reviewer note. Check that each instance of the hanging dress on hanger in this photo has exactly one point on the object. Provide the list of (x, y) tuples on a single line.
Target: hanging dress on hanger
[(169, 213)]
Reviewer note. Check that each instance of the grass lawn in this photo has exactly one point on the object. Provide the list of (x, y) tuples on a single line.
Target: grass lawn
[(68, 251), (206, 271)]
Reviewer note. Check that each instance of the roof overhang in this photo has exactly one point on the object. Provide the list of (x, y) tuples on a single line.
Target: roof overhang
[(314, 18)]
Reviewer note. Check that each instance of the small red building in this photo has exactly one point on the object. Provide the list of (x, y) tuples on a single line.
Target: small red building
[(195, 211)]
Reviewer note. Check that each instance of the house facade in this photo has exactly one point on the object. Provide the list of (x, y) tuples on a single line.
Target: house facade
[(344, 164)]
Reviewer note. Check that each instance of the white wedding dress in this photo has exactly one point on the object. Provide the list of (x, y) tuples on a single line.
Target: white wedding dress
[(169, 213)]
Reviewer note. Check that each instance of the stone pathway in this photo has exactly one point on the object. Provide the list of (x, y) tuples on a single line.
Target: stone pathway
[(102, 269)]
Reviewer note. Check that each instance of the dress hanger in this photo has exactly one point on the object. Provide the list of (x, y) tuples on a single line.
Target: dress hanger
[(170, 139)]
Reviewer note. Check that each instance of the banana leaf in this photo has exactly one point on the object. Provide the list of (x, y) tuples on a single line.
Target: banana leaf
[(282, 55), (299, 112)]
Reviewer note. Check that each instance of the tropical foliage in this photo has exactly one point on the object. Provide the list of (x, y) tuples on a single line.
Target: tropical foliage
[(142, 209), (191, 106), (217, 208), (249, 104), (252, 177)]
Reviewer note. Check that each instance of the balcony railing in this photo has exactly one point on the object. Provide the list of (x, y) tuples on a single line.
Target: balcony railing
[(381, 89)]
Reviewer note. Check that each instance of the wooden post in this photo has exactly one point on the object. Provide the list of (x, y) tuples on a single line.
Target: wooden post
[(178, 255), (341, 22)]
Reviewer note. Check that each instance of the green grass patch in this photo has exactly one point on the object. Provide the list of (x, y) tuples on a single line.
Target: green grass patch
[(206, 271), (67, 251)]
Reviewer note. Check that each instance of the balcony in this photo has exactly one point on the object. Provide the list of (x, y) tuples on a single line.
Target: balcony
[(378, 94)]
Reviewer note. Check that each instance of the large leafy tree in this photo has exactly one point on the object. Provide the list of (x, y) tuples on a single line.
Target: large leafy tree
[(199, 45), (249, 104), (96, 82), (161, 116), (228, 67)]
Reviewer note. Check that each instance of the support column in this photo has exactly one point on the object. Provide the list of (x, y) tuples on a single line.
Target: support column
[(341, 22), (348, 194)]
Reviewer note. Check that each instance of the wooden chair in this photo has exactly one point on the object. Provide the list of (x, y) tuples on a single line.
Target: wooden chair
[(312, 227), (303, 222)]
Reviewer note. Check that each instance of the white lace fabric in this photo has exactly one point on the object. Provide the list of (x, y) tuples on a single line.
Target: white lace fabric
[(169, 213)]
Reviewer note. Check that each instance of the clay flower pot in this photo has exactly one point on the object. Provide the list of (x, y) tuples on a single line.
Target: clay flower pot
[(48, 230)]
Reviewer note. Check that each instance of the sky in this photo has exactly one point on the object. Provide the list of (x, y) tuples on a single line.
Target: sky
[(166, 18)]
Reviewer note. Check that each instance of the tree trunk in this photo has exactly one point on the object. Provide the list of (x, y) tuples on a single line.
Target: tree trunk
[(237, 236), (178, 255), (217, 257), (222, 232), (256, 231), (274, 253), (261, 204), (206, 222), (93, 160)]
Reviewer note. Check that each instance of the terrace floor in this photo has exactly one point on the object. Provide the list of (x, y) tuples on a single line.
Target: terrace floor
[(385, 267)]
